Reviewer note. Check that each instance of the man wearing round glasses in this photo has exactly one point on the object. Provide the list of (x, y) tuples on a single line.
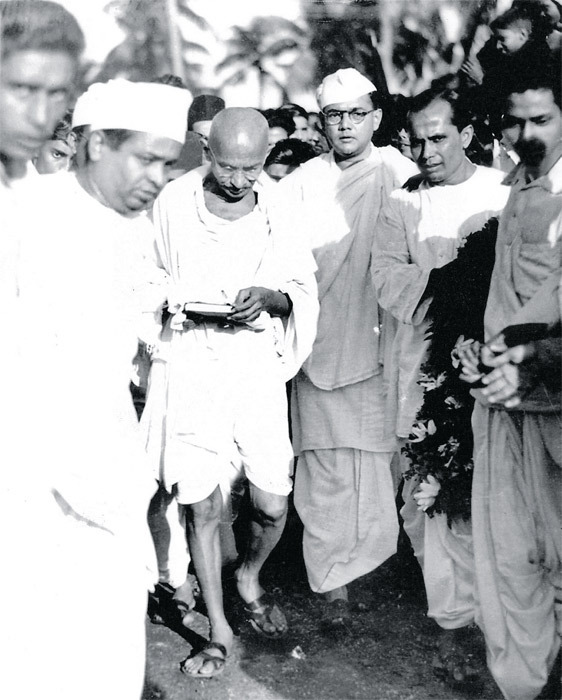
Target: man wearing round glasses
[(344, 491), (350, 130)]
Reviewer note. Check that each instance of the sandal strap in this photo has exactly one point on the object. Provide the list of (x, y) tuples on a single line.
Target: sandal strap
[(215, 645), (265, 601)]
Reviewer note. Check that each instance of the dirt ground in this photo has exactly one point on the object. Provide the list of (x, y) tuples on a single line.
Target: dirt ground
[(385, 653)]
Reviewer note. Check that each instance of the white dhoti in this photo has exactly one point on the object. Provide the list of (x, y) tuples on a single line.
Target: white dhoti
[(345, 499), (445, 556)]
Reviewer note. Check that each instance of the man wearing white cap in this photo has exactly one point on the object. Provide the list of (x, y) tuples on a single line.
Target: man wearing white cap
[(80, 267), (344, 490)]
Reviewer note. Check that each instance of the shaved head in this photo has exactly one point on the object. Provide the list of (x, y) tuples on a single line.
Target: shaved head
[(236, 131), (237, 148)]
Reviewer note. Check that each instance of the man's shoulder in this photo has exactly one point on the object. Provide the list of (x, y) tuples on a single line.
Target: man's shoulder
[(401, 167), (489, 175), (175, 191), (311, 169)]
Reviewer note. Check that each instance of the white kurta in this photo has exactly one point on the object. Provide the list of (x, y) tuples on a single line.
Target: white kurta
[(338, 397), (78, 489), (216, 391), (419, 231)]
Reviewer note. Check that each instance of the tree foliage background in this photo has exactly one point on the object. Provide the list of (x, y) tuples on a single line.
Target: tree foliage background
[(400, 44)]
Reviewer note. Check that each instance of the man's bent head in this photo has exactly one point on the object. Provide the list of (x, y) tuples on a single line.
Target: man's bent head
[(238, 145), (137, 130)]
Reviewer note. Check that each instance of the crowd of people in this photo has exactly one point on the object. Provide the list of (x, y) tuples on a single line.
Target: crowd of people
[(359, 303)]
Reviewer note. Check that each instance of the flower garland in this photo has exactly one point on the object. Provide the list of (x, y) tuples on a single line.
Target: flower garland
[(441, 443)]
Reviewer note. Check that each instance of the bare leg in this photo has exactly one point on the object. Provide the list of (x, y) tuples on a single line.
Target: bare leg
[(202, 527), (269, 513)]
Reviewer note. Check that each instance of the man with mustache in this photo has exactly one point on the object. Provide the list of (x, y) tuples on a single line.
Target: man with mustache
[(517, 461)]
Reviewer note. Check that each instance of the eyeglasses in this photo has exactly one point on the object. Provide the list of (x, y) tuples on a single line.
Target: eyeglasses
[(334, 116)]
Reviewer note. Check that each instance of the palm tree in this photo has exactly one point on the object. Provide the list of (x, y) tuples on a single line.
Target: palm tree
[(153, 45), (270, 46)]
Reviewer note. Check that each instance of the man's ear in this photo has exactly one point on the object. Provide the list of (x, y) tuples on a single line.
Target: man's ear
[(466, 136), (96, 144), (377, 118)]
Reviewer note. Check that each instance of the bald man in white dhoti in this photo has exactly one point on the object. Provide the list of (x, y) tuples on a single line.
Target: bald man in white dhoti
[(217, 385), (344, 492), (80, 266)]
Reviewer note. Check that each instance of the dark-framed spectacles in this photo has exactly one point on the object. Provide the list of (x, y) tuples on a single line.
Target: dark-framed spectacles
[(334, 116)]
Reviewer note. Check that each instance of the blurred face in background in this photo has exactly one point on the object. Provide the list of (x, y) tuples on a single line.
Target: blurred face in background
[(510, 39), (301, 131), (203, 129), (277, 171), (35, 89), (276, 133), (55, 155)]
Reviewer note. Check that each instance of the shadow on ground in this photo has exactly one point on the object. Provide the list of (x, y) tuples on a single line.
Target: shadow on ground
[(384, 653)]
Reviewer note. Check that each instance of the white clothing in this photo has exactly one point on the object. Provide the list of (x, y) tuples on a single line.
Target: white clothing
[(344, 498), (338, 397), (419, 231), (77, 488), (212, 388)]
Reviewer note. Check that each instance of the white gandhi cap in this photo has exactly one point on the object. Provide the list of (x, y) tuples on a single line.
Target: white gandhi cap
[(151, 108), (342, 86)]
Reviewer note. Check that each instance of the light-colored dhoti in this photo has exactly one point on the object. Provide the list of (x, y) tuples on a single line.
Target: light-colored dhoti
[(345, 498)]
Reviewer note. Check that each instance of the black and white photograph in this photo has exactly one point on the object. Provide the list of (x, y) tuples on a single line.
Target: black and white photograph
[(281, 396)]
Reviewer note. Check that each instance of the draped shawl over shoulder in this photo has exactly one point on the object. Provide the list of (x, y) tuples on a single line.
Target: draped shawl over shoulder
[(338, 210)]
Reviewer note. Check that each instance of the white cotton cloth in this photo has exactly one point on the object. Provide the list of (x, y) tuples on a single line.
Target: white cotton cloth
[(417, 232), (344, 498), (151, 108), (76, 488), (339, 396), (336, 212), (344, 85), (212, 388), (446, 559)]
